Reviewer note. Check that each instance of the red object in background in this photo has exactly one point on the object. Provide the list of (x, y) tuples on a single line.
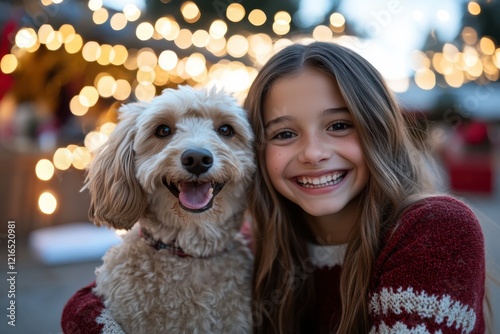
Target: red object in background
[(474, 133), (470, 171), (470, 164), (6, 81)]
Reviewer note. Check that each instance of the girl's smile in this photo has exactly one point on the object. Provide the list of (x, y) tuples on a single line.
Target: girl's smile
[(326, 180)]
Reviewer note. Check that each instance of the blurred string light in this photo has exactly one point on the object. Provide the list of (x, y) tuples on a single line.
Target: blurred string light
[(47, 203), (44, 169)]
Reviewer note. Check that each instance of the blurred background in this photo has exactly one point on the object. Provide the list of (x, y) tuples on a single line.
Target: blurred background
[(67, 65)]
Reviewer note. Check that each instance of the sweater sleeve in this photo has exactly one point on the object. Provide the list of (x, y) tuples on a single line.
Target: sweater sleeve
[(430, 275), (84, 313)]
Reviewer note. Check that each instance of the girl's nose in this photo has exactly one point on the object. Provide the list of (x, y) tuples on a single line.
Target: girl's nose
[(314, 150)]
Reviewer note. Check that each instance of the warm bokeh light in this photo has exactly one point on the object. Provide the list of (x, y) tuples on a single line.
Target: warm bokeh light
[(190, 12), (337, 20), (105, 56), (91, 51), (450, 51), (62, 158), (145, 92), (322, 33), (474, 8), (44, 169), (257, 17), (145, 75), (26, 38), (81, 158), (131, 12), (123, 90), (67, 31), (237, 46), (425, 78), (201, 38), (168, 60), (88, 96), (281, 27), (162, 77), (73, 44), (163, 26), (44, 32), (217, 46), (469, 35), (282, 16), (47, 203), (496, 58), (146, 59), (235, 12), (195, 64), (184, 40), (144, 31), (261, 47), (218, 29), (118, 21), (118, 55), (95, 4), (76, 107), (454, 78), (487, 45), (100, 16), (106, 85), (8, 64), (54, 41)]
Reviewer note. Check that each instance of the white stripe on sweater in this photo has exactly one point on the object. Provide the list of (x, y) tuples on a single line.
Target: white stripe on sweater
[(326, 255), (110, 325), (401, 328), (442, 309)]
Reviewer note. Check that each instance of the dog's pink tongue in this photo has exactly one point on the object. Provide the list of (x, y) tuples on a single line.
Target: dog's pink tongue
[(195, 195)]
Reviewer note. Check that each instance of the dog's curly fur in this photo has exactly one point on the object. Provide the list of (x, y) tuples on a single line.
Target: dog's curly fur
[(135, 181)]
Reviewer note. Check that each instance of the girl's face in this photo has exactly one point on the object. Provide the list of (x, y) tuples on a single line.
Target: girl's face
[(313, 154)]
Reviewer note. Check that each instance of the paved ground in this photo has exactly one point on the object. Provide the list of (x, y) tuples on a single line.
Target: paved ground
[(41, 290)]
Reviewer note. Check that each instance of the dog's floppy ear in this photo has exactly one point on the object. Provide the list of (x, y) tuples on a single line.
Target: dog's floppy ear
[(116, 197)]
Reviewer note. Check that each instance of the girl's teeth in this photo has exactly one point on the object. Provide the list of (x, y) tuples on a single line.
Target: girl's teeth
[(328, 180)]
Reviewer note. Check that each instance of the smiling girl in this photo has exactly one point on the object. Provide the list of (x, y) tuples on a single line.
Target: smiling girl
[(350, 236)]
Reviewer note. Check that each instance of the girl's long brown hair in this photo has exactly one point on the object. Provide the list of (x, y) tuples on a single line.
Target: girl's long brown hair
[(397, 179)]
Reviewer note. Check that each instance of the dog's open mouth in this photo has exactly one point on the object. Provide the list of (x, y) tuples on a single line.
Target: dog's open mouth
[(194, 196)]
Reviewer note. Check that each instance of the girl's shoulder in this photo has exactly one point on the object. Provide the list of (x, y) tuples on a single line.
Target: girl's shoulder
[(438, 215)]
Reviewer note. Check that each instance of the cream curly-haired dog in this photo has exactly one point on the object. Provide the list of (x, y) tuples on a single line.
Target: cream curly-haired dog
[(179, 166)]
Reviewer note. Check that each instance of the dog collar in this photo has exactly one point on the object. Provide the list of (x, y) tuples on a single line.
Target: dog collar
[(158, 244)]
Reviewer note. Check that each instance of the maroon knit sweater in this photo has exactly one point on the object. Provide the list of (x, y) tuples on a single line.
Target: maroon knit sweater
[(429, 277)]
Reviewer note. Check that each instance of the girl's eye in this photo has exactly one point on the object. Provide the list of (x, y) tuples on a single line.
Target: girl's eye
[(163, 131), (284, 135), (340, 125), (226, 130)]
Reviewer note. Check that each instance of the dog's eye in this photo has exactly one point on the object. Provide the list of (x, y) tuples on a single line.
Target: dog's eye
[(226, 130), (163, 131)]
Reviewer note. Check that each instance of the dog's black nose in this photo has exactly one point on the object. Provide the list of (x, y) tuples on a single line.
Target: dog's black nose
[(197, 161)]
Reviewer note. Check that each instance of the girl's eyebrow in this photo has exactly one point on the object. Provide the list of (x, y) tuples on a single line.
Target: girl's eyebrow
[(336, 110), (284, 118), (279, 119)]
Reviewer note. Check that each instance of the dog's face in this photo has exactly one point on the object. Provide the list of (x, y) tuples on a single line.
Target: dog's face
[(184, 149)]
